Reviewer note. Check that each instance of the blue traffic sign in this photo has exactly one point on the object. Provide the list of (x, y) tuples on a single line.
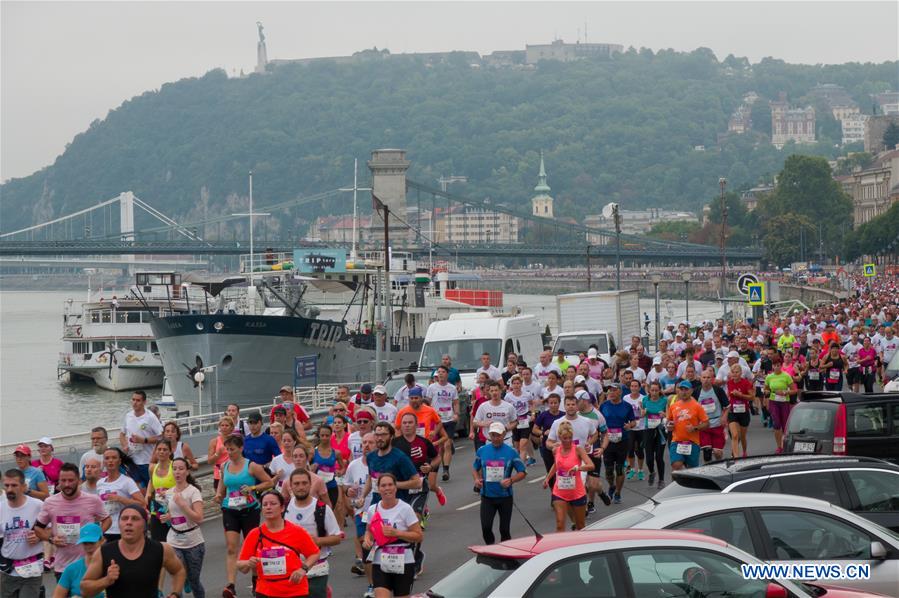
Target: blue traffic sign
[(756, 294), (305, 371)]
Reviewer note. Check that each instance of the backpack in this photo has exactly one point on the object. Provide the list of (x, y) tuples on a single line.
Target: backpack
[(320, 510)]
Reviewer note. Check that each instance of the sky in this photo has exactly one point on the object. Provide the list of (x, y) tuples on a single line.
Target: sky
[(65, 64)]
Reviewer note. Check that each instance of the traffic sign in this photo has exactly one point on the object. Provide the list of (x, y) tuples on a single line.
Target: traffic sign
[(870, 270), (744, 281), (756, 293), (305, 371)]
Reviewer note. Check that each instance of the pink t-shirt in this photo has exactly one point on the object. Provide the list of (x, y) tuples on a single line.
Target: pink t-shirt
[(65, 518), (51, 469)]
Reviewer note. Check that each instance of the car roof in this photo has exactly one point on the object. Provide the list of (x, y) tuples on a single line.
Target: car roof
[(689, 505), (847, 397), (726, 471), (528, 546)]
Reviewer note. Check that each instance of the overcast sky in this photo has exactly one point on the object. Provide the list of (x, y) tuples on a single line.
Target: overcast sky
[(65, 64)]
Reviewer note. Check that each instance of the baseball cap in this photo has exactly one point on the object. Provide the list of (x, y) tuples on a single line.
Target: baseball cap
[(45, 440), (365, 389), (657, 360), (582, 395), (90, 533), (279, 410), (286, 388), (24, 449), (591, 352), (733, 354), (670, 323), (678, 334), (380, 390), (684, 384), (255, 417), (497, 428), (578, 379), (415, 391)]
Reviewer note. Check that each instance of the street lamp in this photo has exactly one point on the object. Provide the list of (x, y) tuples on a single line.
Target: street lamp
[(656, 279), (611, 211), (722, 183), (685, 276)]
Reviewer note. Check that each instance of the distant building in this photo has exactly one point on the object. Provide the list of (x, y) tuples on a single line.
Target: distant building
[(339, 229), (875, 189), (505, 58), (475, 225), (740, 121), (887, 102), (875, 127), (853, 127), (832, 94), (750, 197), (844, 111), (559, 50), (542, 203), (633, 222), (791, 124)]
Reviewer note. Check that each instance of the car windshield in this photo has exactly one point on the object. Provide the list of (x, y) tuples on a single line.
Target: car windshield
[(465, 352), (576, 344), (812, 418), (477, 577), (623, 520)]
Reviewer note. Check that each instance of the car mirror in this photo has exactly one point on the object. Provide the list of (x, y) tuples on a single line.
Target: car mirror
[(775, 591), (878, 551)]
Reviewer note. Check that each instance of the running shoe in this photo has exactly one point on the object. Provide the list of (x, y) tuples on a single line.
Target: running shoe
[(420, 565), (605, 498), (745, 455), (612, 495), (369, 593), (640, 475), (652, 477), (531, 461), (441, 497), (661, 484), (187, 588), (778, 451), (617, 499), (446, 475), (591, 508), (229, 591), (630, 474), (358, 568)]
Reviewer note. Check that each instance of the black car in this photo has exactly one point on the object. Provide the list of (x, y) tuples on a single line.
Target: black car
[(845, 423), (868, 487)]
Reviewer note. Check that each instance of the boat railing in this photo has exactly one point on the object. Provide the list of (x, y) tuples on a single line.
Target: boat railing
[(266, 261)]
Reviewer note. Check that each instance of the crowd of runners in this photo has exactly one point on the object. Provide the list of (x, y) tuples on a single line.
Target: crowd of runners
[(125, 520)]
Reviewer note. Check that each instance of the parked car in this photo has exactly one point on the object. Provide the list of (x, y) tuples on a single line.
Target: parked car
[(616, 563), (868, 487), (777, 528), (845, 423)]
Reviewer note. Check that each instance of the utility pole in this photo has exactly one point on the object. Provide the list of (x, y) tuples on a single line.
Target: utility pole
[(355, 188), (722, 183), (379, 206), (617, 249), (589, 281)]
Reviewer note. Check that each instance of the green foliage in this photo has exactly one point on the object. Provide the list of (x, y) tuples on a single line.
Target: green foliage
[(891, 136), (781, 240), (621, 129), (675, 230), (880, 236), (852, 161)]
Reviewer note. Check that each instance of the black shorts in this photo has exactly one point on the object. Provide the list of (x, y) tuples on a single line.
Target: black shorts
[(159, 531), (398, 584), (450, 429), (597, 466), (738, 418), (519, 434), (334, 495), (240, 520), (615, 456), (578, 502), (854, 376)]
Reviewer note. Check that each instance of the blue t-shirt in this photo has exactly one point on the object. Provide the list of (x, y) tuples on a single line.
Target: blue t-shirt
[(665, 381), (260, 449), (71, 578), (617, 416), (396, 462), (492, 462), (33, 476)]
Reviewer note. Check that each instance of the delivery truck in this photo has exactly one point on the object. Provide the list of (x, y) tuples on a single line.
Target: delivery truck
[(605, 319)]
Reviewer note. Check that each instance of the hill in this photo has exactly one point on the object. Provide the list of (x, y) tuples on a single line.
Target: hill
[(619, 129)]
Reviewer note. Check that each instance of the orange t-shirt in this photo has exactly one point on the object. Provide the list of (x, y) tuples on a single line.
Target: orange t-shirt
[(830, 337), (276, 550), (428, 420), (684, 413)]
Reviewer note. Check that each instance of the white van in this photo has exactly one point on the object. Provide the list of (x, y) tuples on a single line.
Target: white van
[(466, 336)]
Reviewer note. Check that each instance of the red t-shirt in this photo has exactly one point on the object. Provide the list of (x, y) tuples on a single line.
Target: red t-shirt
[(279, 549), (298, 412), (742, 385)]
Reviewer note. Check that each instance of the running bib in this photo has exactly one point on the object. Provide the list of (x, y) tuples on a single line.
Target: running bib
[(816, 375), (393, 559), (653, 420), (495, 471), (69, 527), (684, 448), (522, 422), (33, 566), (565, 482), (109, 506), (709, 405), (325, 474), (179, 521), (780, 397), (739, 408), (421, 430), (274, 561), (833, 376), (615, 434), (237, 500)]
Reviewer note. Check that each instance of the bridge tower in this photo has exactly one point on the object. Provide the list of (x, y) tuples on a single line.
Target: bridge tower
[(388, 183)]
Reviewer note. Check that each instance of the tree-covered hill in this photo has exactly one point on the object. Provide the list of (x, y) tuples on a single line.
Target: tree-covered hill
[(623, 129)]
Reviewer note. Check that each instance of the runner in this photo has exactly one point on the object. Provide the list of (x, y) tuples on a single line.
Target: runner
[(365, 418), (299, 419), (543, 424), (488, 368), (354, 478), (853, 370), (740, 395), (569, 497), (401, 398), (713, 400), (21, 549), (635, 452), (91, 474), (240, 426), (362, 398), (542, 369), (493, 411), (282, 465), (278, 553), (653, 411), (172, 432), (887, 348), (327, 463), (301, 457), (524, 406), (496, 467), (389, 459), (258, 446), (161, 481), (91, 539), (117, 491), (620, 420), (447, 362), (686, 418), (392, 529), (386, 412), (184, 515), (217, 453), (319, 521), (779, 387), (835, 367), (241, 479), (131, 566), (445, 399), (99, 444), (140, 431), (867, 363), (35, 480)]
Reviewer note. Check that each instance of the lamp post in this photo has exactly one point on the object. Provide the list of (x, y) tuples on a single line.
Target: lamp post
[(685, 276), (656, 279), (617, 248), (722, 183)]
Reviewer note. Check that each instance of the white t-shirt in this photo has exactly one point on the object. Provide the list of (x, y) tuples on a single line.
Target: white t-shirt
[(583, 428), (14, 526), (492, 372), (851, 350), (724, 371), (522, 406), (280, 464), (534, 390), (305, 517), (557, 389), (682, 367), (187, 537), (385, 413), (145, 426), (639, 374), (888, 348), (542, 371), (400, 517), (442, 397), (354, 442), (355, 476), (653, 375), (122, 486), (504, 413), (636, 405)]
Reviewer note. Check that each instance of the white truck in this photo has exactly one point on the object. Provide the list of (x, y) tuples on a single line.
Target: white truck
[(603, 318)]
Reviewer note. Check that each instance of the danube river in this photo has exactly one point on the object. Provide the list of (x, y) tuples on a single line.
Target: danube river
[(35, 403)]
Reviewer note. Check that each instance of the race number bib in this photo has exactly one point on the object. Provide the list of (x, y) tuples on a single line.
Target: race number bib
[(709, 405), (111, 507), (522, 421), (615, 434), (781, 397), (69, 527), (274, 561), (446, 412), (684, 448), (393, 559), (739, 408), (495, 471), (653, 420), (833, 376), (814, 375), (33, 566), (179, 521), (237, 500), (326, 473), (565, 482)]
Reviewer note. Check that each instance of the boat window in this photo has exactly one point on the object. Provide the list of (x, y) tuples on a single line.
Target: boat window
[(146, 316), (106, 316), (121, 317), (95, 317), (97, 346), (81, 347), (132, 345), (133, 317), (153, 347)]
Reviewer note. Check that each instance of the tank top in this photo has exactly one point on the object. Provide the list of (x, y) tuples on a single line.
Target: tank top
[(178, 450), (161, 487), (217, 470), (233, 483), (568, 487), (137, 578), (327, 467)]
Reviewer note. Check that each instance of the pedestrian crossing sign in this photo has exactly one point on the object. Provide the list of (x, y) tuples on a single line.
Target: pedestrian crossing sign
[(756, 293), (870, 270)]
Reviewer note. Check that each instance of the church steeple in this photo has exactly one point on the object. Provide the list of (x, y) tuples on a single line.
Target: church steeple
[(542, 187)]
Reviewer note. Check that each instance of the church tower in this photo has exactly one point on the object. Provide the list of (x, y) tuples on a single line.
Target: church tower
[(542, 202)]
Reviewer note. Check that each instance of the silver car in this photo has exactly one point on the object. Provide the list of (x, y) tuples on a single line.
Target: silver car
[(777, 528)]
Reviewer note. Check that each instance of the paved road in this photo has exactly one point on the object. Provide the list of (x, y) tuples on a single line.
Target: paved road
[(451, 528)]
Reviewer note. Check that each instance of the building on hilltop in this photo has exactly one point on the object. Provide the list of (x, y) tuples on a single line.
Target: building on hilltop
[(854, 127), (874, 189), (542, 203), (633, 222), (475, 225), (505, 58), (791, 124), (875, 127), (887, 102), (559, 50), (750, 197)]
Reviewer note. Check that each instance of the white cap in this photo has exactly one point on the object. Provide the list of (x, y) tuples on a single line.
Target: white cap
[(657, 360), (733, 354), (678, 334), (578, 379), (379, 390), (46, 440), (592, 352), (685, 323), (671, 323), (497, 428), (582, 395)]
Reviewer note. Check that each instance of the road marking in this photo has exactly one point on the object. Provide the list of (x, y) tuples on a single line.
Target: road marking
[(537, 479), (474, 504)]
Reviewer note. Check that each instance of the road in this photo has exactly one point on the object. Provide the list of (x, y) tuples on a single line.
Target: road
[(451, 528)]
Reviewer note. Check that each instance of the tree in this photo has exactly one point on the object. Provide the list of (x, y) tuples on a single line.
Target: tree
[(679, 230), (891, 136), (761, 117), (781, 237)]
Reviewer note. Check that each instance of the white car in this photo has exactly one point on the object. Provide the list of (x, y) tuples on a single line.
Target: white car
[(777, 528)]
